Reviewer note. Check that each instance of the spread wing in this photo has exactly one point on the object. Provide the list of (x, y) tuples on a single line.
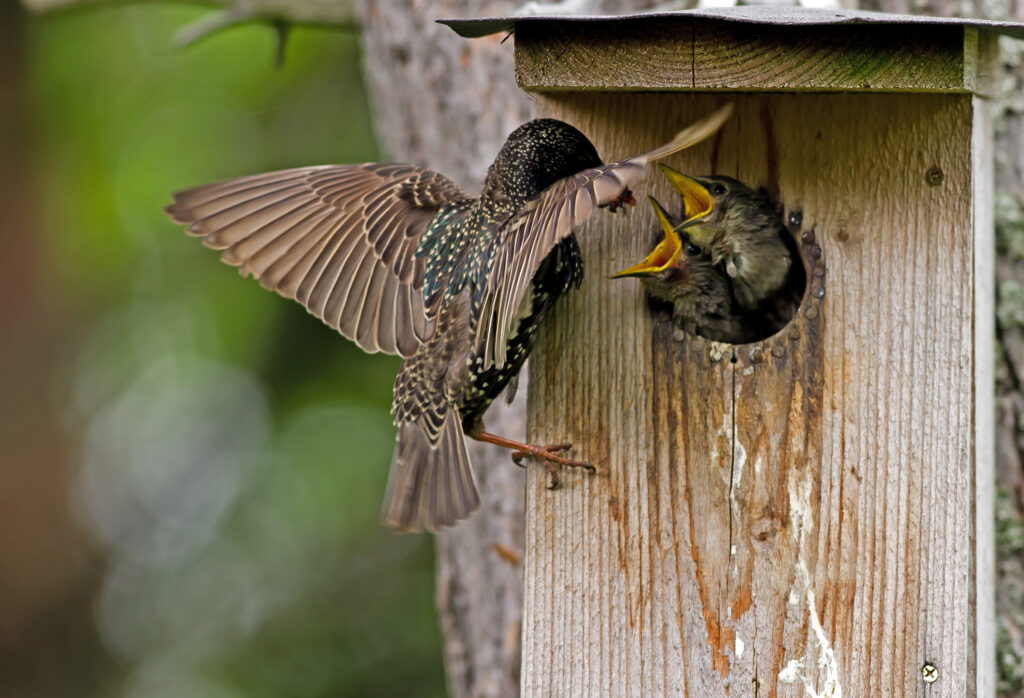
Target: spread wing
[(340, 239), (539, 225)]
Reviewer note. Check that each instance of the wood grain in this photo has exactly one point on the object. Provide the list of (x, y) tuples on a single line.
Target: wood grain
[(801, 519), (696, 53), (983, 548)]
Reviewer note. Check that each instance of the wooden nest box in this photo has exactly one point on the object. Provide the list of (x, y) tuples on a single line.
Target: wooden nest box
[(810, 514)]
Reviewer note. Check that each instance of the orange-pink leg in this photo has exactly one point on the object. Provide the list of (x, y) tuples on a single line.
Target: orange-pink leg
[(545, 454)]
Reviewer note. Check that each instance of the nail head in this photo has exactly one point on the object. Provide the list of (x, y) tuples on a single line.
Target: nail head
[(929, 673)]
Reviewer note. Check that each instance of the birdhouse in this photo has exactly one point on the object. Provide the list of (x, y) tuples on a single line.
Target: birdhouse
[(811, 512)]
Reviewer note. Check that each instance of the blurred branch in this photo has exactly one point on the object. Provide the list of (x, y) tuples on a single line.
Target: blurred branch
[(208, 24), (324, 12)]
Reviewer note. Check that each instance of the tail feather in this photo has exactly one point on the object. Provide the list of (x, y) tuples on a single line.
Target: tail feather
[(431, 485)]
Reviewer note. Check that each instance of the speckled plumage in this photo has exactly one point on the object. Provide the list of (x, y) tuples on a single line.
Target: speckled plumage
[(400, 260)]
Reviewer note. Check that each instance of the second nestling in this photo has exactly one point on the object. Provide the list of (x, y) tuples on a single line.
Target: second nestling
[(727, 265)]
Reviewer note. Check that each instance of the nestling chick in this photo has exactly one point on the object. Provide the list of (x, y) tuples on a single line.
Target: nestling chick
[(742, 231), (401, 260), (681, 273)]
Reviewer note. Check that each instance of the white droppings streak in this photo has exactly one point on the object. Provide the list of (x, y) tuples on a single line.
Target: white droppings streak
[(739, 647), (739, 460), (828, 665), (800, 511), (793, 672), (802, 515), (738, 463), (827, 662)]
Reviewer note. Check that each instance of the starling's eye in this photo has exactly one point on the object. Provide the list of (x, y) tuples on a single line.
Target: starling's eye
[(693, 250), (717, 189)]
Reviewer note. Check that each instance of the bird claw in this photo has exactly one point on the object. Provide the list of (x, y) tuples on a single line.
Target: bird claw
[(546, 455)]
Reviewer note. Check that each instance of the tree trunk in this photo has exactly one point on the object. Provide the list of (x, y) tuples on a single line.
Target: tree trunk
[(448, 103)]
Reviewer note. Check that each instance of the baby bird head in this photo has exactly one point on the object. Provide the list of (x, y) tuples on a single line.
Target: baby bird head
[(668, 271), (718, 211)]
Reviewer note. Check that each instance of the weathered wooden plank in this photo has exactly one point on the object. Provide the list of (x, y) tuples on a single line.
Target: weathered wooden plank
[(696, 53), (805, 514), (984, 474)]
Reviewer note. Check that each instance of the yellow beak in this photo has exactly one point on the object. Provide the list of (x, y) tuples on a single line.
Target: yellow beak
[(664, 254), (696, 198)]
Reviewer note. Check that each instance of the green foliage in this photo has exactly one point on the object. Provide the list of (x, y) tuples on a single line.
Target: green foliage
[(1010, 242), (1010, 556), (234, 450), (1009, 524)]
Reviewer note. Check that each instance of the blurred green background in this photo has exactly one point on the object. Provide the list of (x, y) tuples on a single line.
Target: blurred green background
[(225, 453)]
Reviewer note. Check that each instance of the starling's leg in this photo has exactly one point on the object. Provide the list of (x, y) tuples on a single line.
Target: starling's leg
[(545, 454), (551, 467)]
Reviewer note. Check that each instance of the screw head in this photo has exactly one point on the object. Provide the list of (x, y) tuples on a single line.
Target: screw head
[(934, 176), (929, 673)]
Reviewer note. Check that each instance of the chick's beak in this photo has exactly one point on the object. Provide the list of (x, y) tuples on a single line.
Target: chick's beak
[(664, 254), (696, 198)]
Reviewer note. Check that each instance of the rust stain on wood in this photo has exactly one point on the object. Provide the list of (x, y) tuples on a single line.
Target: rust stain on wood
[(743, 599), (718, 636)]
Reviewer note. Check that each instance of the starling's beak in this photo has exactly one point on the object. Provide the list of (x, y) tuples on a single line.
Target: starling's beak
[(696, 198), (664, 254)]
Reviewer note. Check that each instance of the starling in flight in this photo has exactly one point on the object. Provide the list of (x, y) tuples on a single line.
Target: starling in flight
[(682, 274), (400, 260)]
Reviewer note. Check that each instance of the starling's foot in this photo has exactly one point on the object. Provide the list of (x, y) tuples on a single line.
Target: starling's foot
[(545, 454)]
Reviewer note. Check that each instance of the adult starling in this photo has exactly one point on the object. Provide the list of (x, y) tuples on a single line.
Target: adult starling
[(682, 274), (401, 260), (743, 232)]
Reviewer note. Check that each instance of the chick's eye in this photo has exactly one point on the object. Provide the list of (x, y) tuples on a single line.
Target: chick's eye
[(717, 189), (693, 250)]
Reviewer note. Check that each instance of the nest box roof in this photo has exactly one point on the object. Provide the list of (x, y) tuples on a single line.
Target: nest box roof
[(763, 15), (750, 48)]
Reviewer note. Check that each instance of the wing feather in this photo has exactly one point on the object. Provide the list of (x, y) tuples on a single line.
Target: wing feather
[(287, 238), (340, 239), (367, 319), (387, 314), (349, 293)]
